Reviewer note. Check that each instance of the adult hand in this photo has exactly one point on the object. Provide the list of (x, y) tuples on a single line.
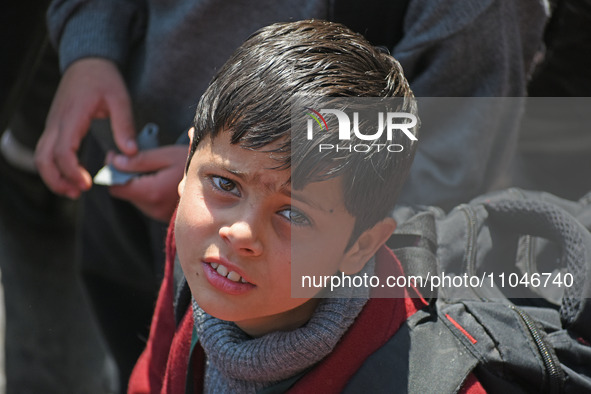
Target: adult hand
[(156, 193), (90, 88)]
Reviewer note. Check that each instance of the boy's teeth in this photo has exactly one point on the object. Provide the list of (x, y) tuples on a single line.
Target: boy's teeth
[(233, 276), (223, 271)]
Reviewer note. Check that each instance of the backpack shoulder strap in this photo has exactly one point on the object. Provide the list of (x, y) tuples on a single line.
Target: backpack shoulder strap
[(414, 243), (422, 344)]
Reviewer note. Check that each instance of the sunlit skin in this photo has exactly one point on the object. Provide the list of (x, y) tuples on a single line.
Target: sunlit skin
[(238, 212)]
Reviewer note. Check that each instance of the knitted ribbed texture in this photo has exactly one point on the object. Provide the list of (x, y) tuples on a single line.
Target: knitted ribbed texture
[(237, 363)]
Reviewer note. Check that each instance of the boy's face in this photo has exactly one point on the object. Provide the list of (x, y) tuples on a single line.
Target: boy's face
[(239, 226)]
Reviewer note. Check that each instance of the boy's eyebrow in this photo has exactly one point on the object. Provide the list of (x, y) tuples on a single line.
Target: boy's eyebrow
[(238, 173), (283, 190), (242, 175), (303, 200), (287, 192)]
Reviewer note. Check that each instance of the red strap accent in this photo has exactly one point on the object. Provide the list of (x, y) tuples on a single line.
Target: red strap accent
[(462, 330)]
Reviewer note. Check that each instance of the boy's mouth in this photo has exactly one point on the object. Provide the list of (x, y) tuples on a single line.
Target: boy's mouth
[(225, 272)]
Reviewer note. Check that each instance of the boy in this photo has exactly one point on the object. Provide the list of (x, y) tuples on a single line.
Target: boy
[(256, 200)]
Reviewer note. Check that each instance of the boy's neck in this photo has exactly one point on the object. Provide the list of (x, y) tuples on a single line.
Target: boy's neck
[(287, 321), (238, 363)]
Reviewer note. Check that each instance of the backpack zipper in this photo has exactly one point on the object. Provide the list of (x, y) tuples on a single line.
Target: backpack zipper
[(554, 371)]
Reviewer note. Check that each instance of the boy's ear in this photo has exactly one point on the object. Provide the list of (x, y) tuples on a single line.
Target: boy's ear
[(182, 182), (366, 246), (181, 186)]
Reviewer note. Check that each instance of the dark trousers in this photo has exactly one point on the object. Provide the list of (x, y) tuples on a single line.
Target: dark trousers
[(121, 254)]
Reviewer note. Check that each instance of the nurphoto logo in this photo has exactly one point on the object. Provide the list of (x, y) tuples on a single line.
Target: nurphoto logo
[(389, 123)]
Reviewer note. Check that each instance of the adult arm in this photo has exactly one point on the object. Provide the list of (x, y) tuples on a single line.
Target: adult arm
[(95, 28), (90, 88), (93, 38), (467, 49)]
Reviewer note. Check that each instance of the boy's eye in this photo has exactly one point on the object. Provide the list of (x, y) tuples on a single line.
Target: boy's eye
[(225, 184), (295, 217)]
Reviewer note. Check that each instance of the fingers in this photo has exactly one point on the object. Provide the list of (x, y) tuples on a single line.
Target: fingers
[(90, 88), (141, 188), (122, 122), (55, 156), (50, 173), (154, 194), (72, 130), (151, 160)]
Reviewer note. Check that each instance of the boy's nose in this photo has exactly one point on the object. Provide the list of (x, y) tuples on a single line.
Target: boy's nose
[(241, 236)]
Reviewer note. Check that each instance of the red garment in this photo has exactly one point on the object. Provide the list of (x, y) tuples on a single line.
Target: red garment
[(162, 367)]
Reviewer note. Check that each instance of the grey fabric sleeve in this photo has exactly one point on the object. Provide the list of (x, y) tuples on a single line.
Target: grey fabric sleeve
[(476, 48), (94, 28), (467, 49)]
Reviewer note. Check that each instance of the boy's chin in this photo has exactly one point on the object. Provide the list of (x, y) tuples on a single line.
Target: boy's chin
[(224, 310), (255, 322)]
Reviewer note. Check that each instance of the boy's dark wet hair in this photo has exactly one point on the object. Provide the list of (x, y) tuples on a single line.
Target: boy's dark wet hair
[(250, 98)]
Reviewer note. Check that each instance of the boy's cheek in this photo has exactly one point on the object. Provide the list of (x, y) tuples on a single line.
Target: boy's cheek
[(316, 261)]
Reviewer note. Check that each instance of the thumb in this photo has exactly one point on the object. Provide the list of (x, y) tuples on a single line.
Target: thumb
[(122, 122)]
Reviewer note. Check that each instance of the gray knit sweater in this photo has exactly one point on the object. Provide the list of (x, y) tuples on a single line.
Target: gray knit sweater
[(169, 51), (237, 363)]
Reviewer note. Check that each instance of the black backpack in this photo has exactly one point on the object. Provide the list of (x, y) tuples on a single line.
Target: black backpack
[(529, 332)]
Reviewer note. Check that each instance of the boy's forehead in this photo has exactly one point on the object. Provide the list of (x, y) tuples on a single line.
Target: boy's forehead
[(259, 168), (254, 166)]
